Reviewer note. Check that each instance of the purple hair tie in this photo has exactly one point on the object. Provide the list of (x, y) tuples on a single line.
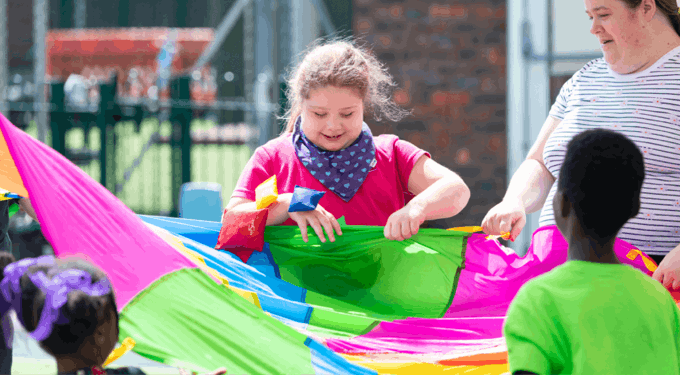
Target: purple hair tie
[(10, 290), (56, 293)]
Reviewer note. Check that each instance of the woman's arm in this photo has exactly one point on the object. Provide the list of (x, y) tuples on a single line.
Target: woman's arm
[(440, 193), (532, 181), (527, 192)]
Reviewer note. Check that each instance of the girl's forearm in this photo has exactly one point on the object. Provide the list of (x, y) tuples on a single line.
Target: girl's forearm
[(443, 199), (278, 211)]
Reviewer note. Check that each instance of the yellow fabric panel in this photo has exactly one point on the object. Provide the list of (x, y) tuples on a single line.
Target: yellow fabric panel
[(467, 229), (427, 368), (127, 345), (10, 179), (504, 236), (247, 295), (648, 263)]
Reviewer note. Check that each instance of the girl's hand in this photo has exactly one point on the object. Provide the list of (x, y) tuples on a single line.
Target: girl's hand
[(317, 218), (404, 223), (505, 217), (668, 272)]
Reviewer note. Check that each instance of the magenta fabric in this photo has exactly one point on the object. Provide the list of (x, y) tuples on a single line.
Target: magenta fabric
[(384, 191), (490, 280), (79, 217)]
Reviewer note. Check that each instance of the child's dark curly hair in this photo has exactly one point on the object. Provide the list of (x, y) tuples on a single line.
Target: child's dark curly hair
[(82, 312), (602, 177)]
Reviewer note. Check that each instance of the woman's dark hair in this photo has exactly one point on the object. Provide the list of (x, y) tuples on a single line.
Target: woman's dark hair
[(668, 7), (602, 177), (84, 312)]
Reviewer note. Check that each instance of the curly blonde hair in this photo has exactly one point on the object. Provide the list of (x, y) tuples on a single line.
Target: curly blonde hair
[(342, 63)]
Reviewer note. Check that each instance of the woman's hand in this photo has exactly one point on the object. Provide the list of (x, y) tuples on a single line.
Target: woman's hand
[(317, 218), (506, 217), (668, 272), (405, 222)]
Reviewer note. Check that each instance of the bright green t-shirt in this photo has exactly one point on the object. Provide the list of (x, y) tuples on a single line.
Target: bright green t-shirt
[(591, 318)]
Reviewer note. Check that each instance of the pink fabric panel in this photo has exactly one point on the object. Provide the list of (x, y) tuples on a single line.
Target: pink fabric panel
[(490, 280), (79, 217)]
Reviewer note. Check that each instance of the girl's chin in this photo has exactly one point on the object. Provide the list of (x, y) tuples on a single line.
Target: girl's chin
[(331, 146)]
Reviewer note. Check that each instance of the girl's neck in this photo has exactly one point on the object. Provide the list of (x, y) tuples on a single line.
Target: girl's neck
[(582, 247)]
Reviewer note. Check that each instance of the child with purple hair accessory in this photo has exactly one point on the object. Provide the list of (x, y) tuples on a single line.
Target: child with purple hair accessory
[(68, 306)]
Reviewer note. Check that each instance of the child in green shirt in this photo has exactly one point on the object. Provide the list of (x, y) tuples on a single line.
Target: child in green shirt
[(593, 315)]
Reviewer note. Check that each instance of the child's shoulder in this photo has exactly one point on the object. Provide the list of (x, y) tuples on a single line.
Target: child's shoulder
[(280, 146), (392, 143), (276, 143)]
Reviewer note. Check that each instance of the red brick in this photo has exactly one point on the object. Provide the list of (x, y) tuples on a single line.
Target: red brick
[(385, 40), (463, 156), (364, 25), (443, 140), (484, 11), (448, 12), (492, 55), (402, 97), (396, 11), (441, 98), (494, 143)]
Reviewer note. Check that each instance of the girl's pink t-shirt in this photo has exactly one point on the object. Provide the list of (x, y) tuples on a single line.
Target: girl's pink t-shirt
[(384, 191)]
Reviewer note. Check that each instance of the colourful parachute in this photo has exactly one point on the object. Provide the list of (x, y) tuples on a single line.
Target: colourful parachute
[(467, 338), (363, 305)]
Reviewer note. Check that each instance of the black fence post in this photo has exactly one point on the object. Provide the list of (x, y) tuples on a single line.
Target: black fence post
[(58, 120), (105, 122), (180, 141)]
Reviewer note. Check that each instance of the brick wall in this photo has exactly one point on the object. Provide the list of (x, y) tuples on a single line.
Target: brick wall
[(449, 59)]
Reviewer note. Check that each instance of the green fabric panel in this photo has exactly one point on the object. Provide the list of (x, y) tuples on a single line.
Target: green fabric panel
[(317, 299), (363, 271), (332, 320), (185, 319), (13, 209)]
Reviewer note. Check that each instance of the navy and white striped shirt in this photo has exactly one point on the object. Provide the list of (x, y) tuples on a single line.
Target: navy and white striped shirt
[(644, 106)]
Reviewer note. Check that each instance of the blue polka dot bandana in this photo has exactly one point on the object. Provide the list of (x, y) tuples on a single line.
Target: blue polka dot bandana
[(342, 172)]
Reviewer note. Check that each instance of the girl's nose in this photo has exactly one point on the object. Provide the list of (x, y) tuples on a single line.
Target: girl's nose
[(333, 122)]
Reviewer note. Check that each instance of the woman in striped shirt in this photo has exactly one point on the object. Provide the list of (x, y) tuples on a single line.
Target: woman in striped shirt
[(635, 90)]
